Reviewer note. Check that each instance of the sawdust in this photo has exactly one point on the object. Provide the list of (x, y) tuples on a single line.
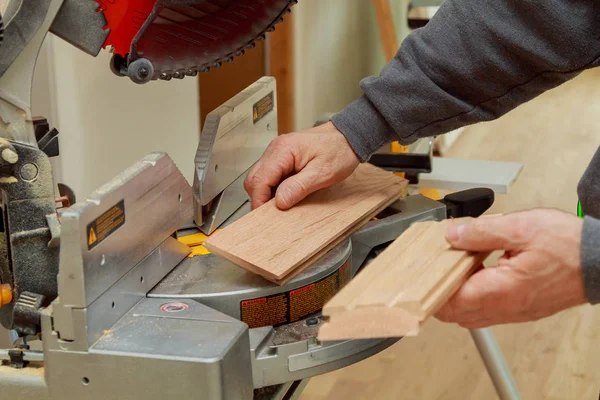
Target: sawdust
[(34, 368), (8, 179)]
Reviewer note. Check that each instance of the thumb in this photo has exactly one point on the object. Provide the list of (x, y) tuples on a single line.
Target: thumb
[(487, 233), (482, 298), (295, 188)]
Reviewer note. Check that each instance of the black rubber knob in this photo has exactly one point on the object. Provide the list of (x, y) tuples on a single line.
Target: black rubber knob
[(468, 203)]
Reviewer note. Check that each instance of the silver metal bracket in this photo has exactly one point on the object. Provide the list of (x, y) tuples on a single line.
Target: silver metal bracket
[(458, 174), (234, 137), (114, 233)]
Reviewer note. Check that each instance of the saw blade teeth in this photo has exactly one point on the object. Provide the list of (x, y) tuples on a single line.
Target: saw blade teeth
[(101, 11), (121, 45)]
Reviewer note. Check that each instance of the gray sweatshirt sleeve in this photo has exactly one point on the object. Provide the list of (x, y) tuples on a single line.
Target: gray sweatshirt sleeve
[(474, 61), (590, 259)]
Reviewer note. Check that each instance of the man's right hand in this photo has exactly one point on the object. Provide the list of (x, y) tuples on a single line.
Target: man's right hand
[(300, 163)]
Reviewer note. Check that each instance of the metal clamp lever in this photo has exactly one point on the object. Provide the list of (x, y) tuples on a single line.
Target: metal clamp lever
[(402, 162), (468, 203), (417, 160)]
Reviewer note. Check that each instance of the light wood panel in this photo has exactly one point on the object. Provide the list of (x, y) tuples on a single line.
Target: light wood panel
[(281, 67), (389, 42), (402, 287), (387, 30), (220, 84), (556, 358), (277, 244)]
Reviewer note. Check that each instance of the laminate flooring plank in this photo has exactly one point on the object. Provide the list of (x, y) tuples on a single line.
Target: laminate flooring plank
[(277, 244)]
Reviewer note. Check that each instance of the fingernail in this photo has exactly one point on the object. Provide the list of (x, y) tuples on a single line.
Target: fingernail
[(455, 232), (286, 197)]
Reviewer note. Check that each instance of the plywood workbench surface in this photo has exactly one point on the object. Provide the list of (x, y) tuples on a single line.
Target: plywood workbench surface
[(278, 244)]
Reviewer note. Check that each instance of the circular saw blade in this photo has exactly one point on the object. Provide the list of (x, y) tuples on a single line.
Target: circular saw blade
[(178, 38), (183, 37)]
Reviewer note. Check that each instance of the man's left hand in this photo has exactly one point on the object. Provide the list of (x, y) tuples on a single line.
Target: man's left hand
[(538, 275)]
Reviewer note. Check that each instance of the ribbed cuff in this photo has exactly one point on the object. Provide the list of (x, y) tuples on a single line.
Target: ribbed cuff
[(590, 259), (364, 128)]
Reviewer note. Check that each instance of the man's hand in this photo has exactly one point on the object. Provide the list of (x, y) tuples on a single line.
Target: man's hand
[(300, 163), (538, 275)]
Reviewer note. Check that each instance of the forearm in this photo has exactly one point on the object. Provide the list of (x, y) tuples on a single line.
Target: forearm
[(474, 61)]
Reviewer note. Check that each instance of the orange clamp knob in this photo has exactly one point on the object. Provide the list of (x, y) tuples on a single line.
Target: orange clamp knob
[(5, 294)]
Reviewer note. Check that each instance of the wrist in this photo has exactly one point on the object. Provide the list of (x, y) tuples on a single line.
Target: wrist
[(330, 129), (364, 128)]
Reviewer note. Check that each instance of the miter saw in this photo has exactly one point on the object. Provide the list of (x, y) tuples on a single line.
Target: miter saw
[(118, 287)]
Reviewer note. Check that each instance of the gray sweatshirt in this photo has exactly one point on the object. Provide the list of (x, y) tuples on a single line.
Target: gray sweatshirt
[(475, 61)]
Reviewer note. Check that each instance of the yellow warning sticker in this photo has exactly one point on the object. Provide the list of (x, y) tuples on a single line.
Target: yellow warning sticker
[(263, 107), (296, 304), (92, 237), (107, 223)]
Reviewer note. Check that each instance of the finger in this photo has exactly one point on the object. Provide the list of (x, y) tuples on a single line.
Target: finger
[(248, 181), (507, 232), (277, 162), (297, 187), (267, 176), (488, 297)]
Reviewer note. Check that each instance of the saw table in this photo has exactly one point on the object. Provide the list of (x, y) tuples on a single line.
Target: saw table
[(102, 298)]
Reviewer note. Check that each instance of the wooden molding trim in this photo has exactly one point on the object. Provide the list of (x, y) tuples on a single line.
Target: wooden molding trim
[(403, 286)]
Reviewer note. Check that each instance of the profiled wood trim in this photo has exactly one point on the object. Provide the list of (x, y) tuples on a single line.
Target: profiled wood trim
[(281, 67), (402, 287), (278, 244)]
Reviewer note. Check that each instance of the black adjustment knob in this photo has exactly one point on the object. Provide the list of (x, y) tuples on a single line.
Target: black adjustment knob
[(414, 163), (468, 203), (47, 139)]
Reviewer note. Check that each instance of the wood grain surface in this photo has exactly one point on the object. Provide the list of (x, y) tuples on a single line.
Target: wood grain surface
[(278, 244), (402, 287)]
